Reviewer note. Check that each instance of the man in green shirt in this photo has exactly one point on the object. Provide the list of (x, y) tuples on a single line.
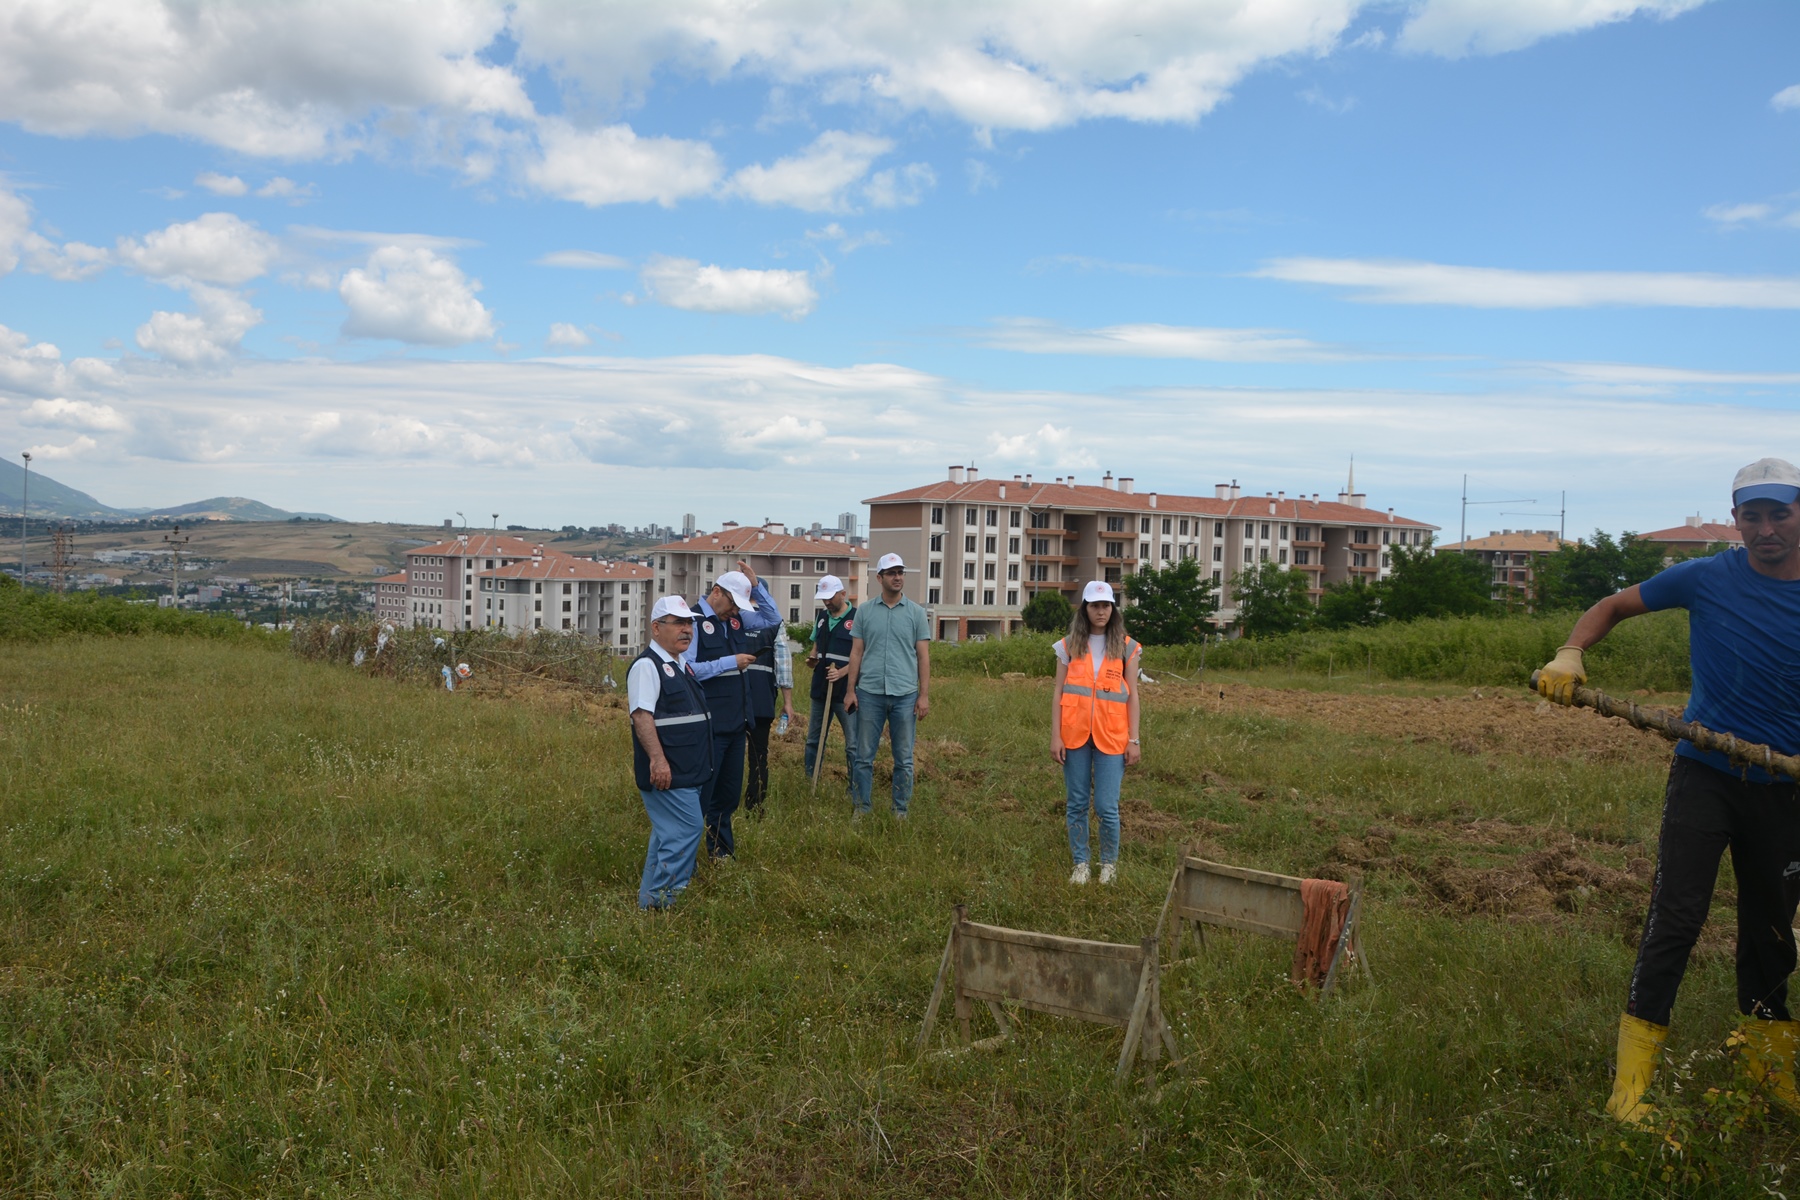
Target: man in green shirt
[(890, 683)]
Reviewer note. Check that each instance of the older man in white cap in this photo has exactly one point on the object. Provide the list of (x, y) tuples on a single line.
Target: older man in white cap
[(890, 683), (830, 661), (719, 655), (671, 750), (1744, 645)]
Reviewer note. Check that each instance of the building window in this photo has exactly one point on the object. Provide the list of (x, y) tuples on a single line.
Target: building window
[(937, 516), (990, 545), (1040, 520), (934, 570), (1283, 558), (968, 570), (1218, 529), (937, 543), (1144, 525), (1012, 598), (970, 516), (1385, 537), (1040, 545), (1167, 552), (537, 622), (1115, 550), (1284, 533), (1249, 554), (993, 516), (793, 591), (1215, 576), (1387, 561), (565, 622), (819, 565), (794, 565), (537, 606), (1263, 554), (1115, 524), (624, 624), (1359, 560), (933, 595), (987, 571), (793, 616), (1012, 545), (1302, 558), (567, 588), (568, 606), (1265, 531), (1303, 533), (1012, 571), (968, 595), (1040, 573), (624, 604), (1143, 549), (969, 544), (1013, 518), (1360, 537), (987, 598), (1218, 554)]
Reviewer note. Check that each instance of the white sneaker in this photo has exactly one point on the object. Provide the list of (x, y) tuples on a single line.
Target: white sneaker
[(1108, 872), (1079, 876)]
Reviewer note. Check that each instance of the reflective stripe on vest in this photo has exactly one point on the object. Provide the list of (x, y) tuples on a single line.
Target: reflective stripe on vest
[(727, 671), (843, 658), (756, 667), (687, 720)]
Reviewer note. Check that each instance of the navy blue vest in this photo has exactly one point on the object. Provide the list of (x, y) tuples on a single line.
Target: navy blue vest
[(683, 726), (833, 649), (727, 693), (761, 673)]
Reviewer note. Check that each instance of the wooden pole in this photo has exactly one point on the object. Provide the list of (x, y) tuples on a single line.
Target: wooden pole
[(1672, 726), (824, 737), (937, 991)]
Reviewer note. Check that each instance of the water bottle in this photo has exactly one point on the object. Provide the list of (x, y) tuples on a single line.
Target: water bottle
[(781, 726)]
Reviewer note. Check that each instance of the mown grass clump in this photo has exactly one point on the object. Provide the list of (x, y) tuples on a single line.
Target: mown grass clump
[(272, 927), (421, 654), (1648, 652), (31, 616)]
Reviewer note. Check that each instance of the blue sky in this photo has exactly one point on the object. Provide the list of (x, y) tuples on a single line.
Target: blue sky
[(622, 261)]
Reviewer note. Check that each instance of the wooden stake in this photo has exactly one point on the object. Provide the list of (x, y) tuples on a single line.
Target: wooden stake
[(1672, 726), (824, 738), (937, 991), (1134, 1031)]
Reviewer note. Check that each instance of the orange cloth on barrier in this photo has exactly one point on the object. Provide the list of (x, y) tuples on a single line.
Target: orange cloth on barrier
[(1325, 903)]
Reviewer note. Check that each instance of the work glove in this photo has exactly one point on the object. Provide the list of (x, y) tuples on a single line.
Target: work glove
[(1562, 675)]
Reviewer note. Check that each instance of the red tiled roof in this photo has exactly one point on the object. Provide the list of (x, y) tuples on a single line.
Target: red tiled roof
[(1541, 542), (558, 567), (754, 539), (478, 544), (396, 577), (1062, 495), (1704, 534)]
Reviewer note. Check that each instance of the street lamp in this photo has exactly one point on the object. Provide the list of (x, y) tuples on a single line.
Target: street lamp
[(24, 507)]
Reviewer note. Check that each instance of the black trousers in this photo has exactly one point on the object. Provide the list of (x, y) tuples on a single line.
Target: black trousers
[(719, 795), (1706, 812), (757, 789)]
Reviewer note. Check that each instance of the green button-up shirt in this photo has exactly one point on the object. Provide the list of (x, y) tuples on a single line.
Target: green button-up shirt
[(890, 660)]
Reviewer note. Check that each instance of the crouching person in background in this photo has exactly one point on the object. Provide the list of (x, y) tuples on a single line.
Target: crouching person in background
[(671, 751)]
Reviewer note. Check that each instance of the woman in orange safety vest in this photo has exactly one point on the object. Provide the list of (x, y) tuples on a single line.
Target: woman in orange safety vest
[(1094, 724)]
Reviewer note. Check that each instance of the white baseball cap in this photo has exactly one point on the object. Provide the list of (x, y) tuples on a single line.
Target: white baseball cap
[(1098, 589), (737, 586), (672, 606), (888, 562), (1766, 479), (829, 586)]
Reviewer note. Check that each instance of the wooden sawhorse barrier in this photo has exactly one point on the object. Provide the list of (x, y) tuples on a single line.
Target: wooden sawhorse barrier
[(1210, 893), (1105, 982)]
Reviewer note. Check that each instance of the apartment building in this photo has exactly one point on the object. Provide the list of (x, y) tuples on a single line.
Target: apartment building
[(392, 600), (605, 600), (1512, 555), (789, 563), (976, 549), (1694, 534), (441, 577)]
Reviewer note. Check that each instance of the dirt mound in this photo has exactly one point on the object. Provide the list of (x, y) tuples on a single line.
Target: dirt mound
[(1535, 885), (1481, 721)]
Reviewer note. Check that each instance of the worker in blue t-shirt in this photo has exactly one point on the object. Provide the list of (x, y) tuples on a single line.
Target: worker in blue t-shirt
[(1744, 643)]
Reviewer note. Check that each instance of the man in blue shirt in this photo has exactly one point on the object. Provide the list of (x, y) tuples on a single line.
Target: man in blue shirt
[(737, 601), (1744, 644)]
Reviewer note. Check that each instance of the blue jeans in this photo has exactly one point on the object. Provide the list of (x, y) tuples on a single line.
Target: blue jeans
[(1091, 775), (675, 828), (872, 712), (815, 726)]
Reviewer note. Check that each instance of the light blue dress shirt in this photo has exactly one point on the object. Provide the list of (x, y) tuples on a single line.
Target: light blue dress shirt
[(762, 616)]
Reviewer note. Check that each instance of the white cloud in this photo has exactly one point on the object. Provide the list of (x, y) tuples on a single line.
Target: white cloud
[(15, 225), (613, 165), (1787, 98), (69, 262), (412, 294), (73, 414), (37, 369), (1454, 28), (282, 80), (371, 238), (1401, 282), (221, 185), (1158, 341), (584, 260), (1082, 262), (1736, 216), (1049, 445), (844, 240), (204, 338), (49, 453), (898, 188), (283, 188), (816, 179), (684, 283), (219, 248), (564, 334)]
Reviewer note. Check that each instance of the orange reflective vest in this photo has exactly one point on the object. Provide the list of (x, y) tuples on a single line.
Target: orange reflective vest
[(1096, 705)]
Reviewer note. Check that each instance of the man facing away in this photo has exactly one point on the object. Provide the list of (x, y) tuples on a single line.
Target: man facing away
[(771, 678), (889, 683), (737, 601), (1744, 645), (671, 751), (830, 661)]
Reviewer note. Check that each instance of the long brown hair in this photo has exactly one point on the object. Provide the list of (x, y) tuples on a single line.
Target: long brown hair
[(1080, 630)]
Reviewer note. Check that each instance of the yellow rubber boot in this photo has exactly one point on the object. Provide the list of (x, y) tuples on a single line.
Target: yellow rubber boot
[(1769, 1059), (1639, 1044)]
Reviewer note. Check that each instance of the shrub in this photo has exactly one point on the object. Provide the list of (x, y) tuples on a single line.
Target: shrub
[(1047, 611), (27, 616)]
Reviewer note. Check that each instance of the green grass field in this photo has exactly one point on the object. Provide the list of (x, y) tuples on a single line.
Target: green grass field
[(275, 928)]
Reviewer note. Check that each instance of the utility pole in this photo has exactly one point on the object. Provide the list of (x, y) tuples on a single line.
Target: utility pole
[(174, 541), (24, 508)]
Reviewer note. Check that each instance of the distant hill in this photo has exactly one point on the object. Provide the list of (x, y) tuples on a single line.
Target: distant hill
[(49, 498)]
